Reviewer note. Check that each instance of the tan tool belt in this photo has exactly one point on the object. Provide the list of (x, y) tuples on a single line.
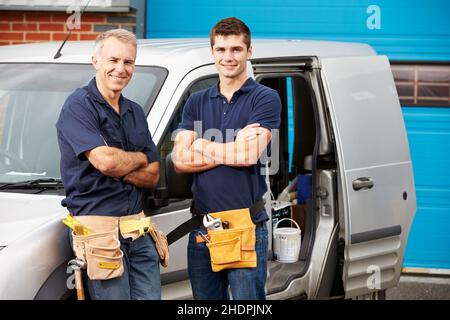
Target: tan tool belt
[(135, 226), (100, 247), (233, 247)]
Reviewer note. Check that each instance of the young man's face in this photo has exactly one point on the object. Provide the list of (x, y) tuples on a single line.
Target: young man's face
[(115, 64), (230, 56)]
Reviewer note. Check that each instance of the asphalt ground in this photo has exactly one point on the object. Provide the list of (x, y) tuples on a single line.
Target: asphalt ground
[(420, 287)]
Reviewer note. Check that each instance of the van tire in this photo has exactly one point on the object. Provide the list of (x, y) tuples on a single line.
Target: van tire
[(377, 295)]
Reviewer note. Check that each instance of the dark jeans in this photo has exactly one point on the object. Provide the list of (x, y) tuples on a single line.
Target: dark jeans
[(140, 279), (245, 283)]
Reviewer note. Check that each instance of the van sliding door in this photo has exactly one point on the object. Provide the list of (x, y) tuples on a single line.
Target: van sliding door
[(376, 184)]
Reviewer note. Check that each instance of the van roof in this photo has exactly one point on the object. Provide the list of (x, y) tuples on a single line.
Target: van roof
[(191, 53)]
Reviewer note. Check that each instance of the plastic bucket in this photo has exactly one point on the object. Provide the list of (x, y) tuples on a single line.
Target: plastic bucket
[(286, 243)]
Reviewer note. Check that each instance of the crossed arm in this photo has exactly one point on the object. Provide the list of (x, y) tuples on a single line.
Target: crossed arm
[(132, 167), (187, 160), (194, 155)]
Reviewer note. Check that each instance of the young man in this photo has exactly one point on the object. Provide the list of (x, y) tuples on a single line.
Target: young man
[(227, 173), (107, 156)]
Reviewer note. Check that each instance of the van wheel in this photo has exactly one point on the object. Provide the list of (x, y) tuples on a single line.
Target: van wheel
[(377, 295)]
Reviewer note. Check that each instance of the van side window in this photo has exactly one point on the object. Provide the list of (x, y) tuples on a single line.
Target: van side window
[(167, 144)]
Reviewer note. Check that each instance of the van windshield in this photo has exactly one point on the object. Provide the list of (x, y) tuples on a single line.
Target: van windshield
[(31, 97)]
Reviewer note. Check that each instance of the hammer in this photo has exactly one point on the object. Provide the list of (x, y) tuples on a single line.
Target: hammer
[(77, 265)]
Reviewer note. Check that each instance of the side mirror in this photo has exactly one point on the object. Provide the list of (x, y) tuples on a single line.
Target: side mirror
[(178, 184)]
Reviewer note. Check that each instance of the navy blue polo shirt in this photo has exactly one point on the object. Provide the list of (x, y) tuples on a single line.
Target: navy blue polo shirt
[(87, 121), (225, 187)]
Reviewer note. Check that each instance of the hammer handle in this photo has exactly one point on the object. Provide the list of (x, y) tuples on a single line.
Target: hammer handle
[(79, 285)]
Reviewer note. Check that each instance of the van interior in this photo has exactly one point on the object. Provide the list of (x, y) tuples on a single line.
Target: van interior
[(297, 116)]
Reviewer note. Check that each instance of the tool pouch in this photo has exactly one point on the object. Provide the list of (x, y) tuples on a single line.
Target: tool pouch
[(136, 225), (101, 248), (161, 245), (233, 247)]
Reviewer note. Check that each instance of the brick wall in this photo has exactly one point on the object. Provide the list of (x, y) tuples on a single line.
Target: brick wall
[(17, 27)]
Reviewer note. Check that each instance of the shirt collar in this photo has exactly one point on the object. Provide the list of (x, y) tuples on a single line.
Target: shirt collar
[(248, 85), (92, 88)]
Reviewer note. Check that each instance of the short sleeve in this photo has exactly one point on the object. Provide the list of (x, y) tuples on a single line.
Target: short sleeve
[(267, 110), (79, 127), (151, 151), (141, 138), (187, 121)]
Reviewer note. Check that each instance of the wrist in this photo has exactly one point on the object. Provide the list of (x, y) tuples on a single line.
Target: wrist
[(198, 146), (143, 159)]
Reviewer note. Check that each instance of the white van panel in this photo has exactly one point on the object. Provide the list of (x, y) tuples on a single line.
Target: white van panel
[(368, 114), (371, 143)]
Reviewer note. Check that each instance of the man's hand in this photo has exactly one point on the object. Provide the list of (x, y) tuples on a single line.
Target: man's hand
[(199, 145), (185, 159), (114, 162), (250, 132), (246, 150), (146, 177)]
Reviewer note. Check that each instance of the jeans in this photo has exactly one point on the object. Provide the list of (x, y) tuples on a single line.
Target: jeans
[(244, 283), (140, 279)]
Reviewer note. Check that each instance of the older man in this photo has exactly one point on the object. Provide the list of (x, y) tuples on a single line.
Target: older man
[(107, 157)]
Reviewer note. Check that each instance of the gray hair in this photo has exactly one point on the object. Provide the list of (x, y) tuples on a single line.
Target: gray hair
[(120, 34)]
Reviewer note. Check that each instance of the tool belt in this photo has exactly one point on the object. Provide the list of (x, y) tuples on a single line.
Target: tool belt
[(230, 248), (98, 244), (135, 226)]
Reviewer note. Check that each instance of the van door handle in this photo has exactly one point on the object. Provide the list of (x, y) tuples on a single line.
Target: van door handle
[(362, 183)]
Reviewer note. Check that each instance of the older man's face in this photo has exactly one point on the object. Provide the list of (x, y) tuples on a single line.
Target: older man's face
[(114, 64)]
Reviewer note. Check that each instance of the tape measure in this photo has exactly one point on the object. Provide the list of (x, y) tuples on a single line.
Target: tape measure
[(76, 226)]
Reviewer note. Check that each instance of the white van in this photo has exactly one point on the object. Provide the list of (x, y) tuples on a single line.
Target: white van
[(347, 125)]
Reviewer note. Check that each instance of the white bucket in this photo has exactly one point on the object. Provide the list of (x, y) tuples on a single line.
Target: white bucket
[(286, 242)]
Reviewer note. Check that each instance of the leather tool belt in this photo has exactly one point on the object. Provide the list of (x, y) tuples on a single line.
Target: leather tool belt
[(99, 246), (233, 247)]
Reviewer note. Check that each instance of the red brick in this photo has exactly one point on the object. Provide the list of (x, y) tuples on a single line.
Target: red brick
[(97, 18), (86, 17), (11, 16), (51, 27), (11, 36), (4, 43), (39, 17), (5, 26), (62, 36), (59, 17), (84, 27), (24, 26), (89, 36), (37, 36), (20, 42)]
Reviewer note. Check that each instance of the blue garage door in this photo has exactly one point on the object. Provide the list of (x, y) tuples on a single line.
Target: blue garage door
[(409, 32), (402, 29), (429, 139)]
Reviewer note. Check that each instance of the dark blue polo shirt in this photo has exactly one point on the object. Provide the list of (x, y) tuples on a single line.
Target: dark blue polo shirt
[(225, 187), (87, 121)]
